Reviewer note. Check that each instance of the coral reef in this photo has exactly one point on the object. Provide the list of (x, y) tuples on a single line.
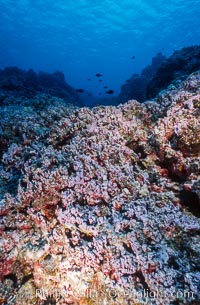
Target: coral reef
[(27, 84), (136, 86), (161, 73), (101, 206), (178, 66)]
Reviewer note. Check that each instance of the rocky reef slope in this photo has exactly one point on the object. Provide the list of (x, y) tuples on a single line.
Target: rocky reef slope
[(136, 86), (101, 206), (15, 83), (161, 73), (178, 66)]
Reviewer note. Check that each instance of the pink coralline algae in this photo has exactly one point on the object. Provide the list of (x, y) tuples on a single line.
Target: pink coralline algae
[(101, 206)]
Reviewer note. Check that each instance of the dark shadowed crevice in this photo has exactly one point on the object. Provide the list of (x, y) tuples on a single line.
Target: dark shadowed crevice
[(173, 263), (140, 277), (128, 248), (175, 303), (191, 201), (11, 277), (26, 278), (175, 176), (49, 301)]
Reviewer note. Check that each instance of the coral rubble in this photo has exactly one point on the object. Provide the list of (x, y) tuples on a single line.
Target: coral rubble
[(101, 206)]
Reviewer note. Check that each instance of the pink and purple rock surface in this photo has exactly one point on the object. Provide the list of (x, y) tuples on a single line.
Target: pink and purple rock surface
[(101, 206)]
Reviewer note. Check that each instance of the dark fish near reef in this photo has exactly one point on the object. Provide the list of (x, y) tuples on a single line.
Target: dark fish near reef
[(128, 80), (105, 87), (89, 79), (100, 80), (133, 57), (80, 90), (99, 75), (110, 91), (100, 93)]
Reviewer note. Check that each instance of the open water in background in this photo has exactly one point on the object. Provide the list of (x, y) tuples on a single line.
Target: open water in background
[(85, 37)]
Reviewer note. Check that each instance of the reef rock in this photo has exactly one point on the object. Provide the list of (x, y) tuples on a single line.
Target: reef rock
[(101, 206), (27, 84), (136, 86), (177, 67), (160, 74)]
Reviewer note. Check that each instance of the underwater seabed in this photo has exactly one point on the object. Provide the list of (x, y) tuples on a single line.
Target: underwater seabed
[(101, 205)]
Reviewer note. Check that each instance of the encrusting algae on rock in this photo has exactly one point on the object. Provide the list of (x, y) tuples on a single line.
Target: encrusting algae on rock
[(99, 212)]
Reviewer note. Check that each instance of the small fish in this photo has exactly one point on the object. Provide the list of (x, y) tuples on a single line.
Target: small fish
[(133, 56), (89, 79), (99, 75), (100, 80), (128, 80), (105, 87), (110, 91), (80, 90), (100, 93)]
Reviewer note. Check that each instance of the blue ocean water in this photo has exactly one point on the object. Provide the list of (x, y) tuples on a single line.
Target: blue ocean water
[(85, 37)]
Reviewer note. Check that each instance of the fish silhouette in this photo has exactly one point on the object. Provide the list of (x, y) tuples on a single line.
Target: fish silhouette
[(110, 91), (80, 90)]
